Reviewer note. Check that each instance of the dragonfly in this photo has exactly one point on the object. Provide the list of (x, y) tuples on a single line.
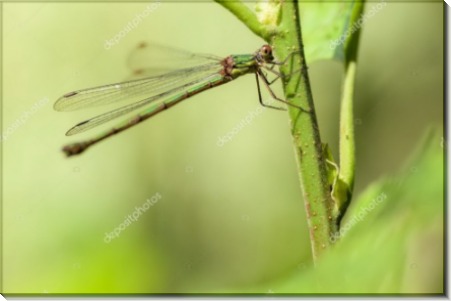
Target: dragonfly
[(163, 91)]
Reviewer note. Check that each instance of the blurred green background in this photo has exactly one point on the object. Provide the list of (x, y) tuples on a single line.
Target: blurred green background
[(230, 217)]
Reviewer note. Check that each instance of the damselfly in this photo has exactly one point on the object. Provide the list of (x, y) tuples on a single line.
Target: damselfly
[(164, 91)]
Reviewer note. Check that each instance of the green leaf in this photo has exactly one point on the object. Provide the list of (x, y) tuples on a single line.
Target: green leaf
[(326, 28)]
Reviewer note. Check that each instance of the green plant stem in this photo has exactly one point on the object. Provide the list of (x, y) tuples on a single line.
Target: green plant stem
[(247, 16), (305, 132), (347, 139), (286, 40)]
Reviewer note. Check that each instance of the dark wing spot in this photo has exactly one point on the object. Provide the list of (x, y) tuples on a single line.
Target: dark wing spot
[(70, 94)]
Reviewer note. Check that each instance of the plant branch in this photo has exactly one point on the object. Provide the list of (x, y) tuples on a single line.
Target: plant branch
[(347, 139), (247, 16), (304, 127), (282, 28)]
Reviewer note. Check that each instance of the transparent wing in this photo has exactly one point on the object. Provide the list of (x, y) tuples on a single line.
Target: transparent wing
[(101, 119), (149, 58), (133, 90)]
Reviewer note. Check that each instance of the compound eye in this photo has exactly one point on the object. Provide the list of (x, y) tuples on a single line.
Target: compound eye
[(267, 50)]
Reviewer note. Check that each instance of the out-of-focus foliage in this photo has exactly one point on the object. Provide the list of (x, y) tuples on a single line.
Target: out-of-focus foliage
[(327, 28), (392, 239)]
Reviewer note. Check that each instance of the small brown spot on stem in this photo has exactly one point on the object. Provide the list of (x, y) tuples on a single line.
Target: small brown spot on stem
[(307, 207)]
